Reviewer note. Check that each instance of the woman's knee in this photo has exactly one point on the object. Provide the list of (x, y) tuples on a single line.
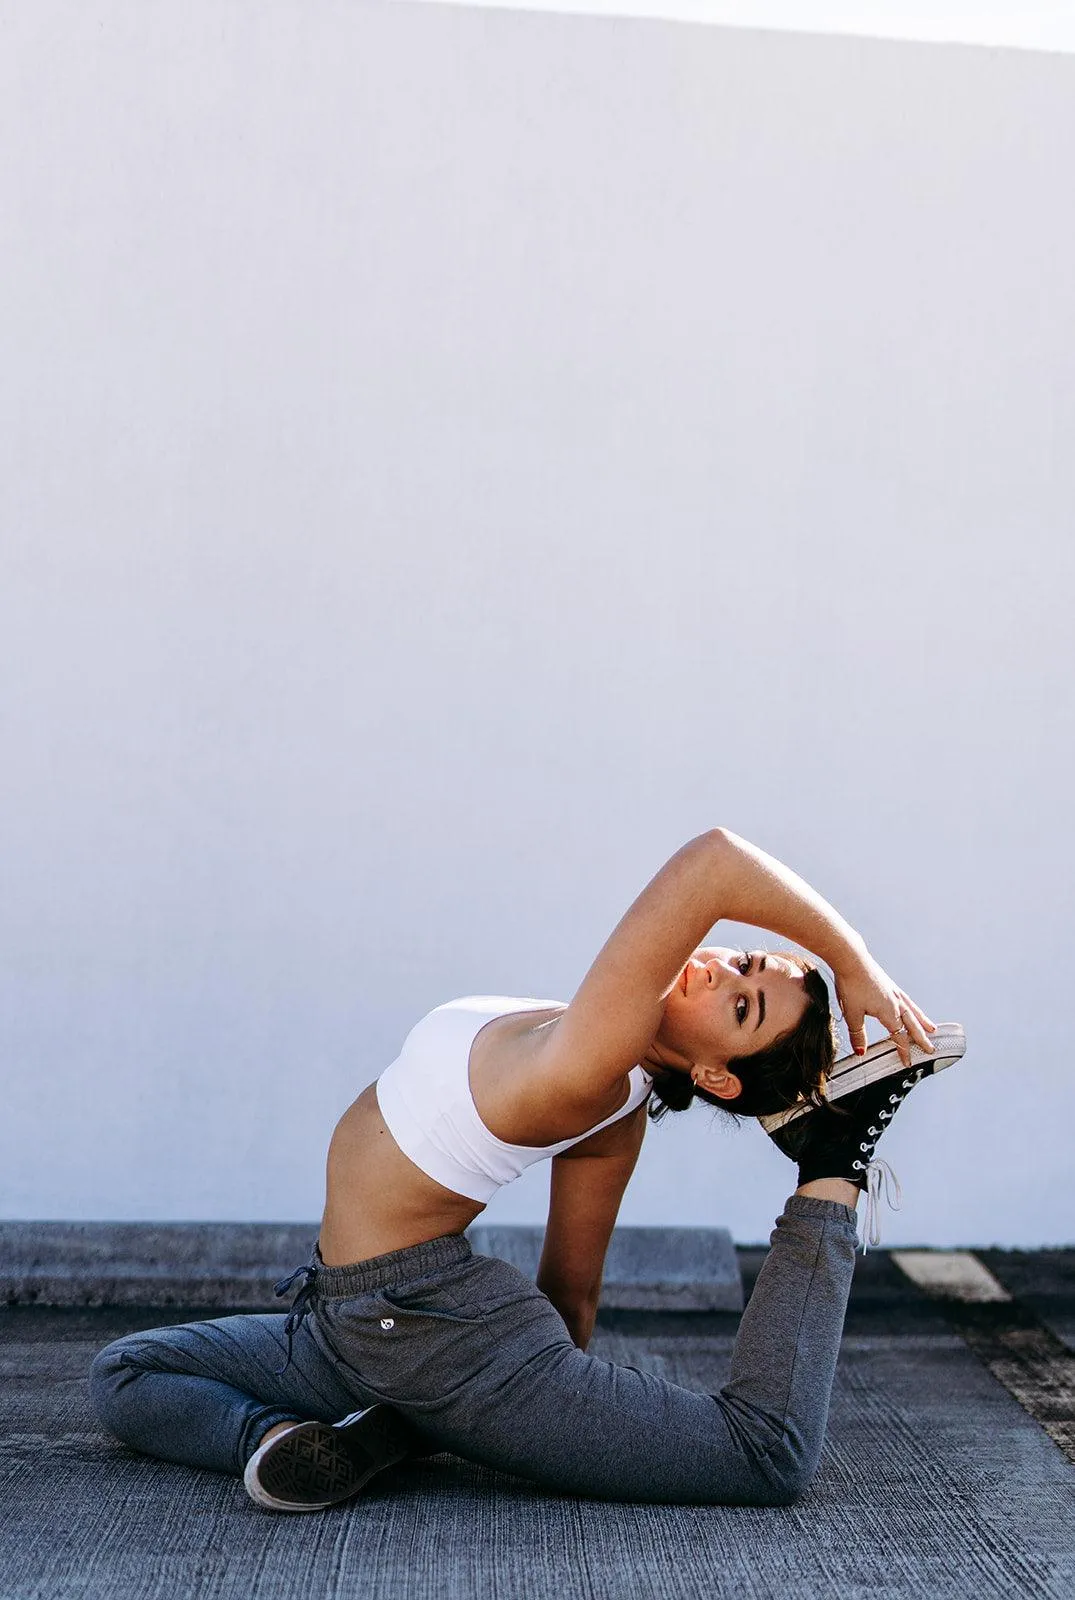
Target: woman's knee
[(775, 1460), (111, 1369), (788, 1475)]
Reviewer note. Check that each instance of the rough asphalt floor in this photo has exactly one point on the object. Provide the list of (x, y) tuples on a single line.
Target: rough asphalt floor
[(935, 1480)]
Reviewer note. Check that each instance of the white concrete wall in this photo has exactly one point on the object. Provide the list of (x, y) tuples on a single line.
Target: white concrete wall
[(449, 458), (1026, 25)]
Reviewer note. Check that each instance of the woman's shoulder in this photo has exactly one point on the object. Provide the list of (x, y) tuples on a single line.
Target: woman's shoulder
[(497, 1005), (467, 1014)]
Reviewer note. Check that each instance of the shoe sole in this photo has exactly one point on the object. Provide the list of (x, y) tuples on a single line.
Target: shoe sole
[(882, 1060), (317, 1464)]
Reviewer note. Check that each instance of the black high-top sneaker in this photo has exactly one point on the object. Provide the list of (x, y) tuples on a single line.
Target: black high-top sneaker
[(881, 1061), (863, 1094), (316, 1464)]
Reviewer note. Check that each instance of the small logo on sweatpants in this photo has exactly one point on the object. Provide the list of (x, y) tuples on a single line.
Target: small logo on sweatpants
[(387, 1322)]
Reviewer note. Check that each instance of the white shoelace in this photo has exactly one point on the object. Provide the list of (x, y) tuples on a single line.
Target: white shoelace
[(879, 1178)]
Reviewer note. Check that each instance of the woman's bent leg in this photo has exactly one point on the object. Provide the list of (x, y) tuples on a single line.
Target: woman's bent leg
[(481, 1362), (759, 1441), (204, 1393), (785, 1355)]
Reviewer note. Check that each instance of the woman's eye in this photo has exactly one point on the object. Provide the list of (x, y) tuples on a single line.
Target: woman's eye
[(741, 1008), (745, 962)]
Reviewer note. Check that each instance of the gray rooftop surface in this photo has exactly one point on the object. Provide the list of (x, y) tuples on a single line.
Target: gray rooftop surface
[(934, 1482)]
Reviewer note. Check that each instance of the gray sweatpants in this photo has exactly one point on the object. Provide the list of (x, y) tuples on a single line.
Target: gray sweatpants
[(477, 1357)]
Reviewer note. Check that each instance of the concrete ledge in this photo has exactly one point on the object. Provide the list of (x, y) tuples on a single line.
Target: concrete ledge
[(232, 1264), (235, 1264), (647, 1269)]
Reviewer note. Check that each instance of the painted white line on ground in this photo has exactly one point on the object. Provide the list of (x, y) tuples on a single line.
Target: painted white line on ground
[(950, 1274)]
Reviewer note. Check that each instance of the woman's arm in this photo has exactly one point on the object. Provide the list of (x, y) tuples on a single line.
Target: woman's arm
[(757, 888), (615, 1014), (863, 988), (588, 1181)]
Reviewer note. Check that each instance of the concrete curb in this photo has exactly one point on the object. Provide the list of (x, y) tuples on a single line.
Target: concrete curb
[(646, 1269), (235, 1264), (150, 1263)]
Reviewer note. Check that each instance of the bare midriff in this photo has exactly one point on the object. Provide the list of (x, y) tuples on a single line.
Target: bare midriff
[(377, 1200)]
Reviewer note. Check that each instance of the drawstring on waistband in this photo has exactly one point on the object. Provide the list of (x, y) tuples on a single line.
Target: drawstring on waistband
[(878, 1174), (299, 1306)]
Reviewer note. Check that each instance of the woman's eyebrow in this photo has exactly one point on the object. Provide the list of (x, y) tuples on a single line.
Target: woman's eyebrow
[(761, 997)]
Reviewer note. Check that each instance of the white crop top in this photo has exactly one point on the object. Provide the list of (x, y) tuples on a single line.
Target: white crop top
[(427, 1106)]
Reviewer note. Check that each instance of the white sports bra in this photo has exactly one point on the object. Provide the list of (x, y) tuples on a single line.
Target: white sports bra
[(427, 1106)]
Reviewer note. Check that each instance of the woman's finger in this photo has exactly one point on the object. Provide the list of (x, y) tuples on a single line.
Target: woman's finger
[(917, 1031), (930, 1026), (916, 1020), (901, 1039), (856, 1032)]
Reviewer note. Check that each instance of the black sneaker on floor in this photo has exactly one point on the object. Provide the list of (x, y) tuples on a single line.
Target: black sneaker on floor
[(317, 1464)]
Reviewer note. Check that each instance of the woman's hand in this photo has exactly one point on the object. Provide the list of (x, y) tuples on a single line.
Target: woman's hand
[(866, 990)]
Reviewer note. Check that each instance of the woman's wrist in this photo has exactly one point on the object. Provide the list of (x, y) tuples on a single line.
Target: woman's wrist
[(848, 955)]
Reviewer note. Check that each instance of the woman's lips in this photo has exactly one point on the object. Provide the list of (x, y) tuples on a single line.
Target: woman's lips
[(686, 969)]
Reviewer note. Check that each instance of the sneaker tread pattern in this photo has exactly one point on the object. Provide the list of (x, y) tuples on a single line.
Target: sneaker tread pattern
[(313, 1465)]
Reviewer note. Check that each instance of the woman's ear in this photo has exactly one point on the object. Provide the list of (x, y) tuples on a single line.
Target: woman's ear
[(717, 1080)]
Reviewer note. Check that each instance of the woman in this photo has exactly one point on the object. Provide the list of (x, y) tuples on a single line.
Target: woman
[(401, 1341)]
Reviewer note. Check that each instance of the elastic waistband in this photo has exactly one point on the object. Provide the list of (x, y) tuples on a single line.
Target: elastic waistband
[(398, 1266)]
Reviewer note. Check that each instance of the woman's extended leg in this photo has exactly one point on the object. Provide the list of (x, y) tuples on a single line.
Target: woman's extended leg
[(205, 1393), (473, 1354)]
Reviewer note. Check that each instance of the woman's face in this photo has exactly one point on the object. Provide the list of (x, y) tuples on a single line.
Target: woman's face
[(727, 1003)]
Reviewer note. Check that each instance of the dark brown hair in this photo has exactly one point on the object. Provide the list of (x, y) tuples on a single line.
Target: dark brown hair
[(792, 1068)]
